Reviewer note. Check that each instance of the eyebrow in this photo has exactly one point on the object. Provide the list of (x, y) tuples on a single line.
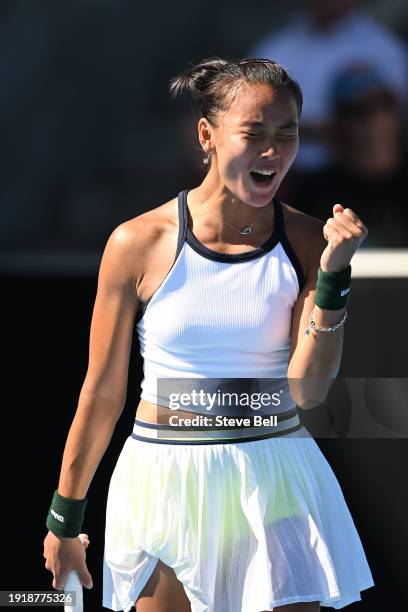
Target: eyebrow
[(259, 124)]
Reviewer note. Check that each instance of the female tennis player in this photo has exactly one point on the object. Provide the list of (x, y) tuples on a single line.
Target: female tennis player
[(226, 283)]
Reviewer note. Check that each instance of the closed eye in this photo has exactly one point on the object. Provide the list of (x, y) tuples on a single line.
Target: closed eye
[(280, 135), (288, 134)]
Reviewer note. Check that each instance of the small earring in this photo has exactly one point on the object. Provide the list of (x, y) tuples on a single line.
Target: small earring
[(206, 160)]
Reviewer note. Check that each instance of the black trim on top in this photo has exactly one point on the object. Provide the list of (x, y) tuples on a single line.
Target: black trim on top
[(234, 257), (279, 235), (294, 260), (180, 241), (186, 235)]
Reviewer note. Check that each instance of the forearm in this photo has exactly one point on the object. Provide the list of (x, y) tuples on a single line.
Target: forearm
[(87, 441), (317, 360)]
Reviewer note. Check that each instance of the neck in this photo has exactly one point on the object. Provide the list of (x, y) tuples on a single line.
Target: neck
[(226, 208)]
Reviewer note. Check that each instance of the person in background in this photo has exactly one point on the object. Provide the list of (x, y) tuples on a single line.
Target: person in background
[(369, 172), (327, 37)]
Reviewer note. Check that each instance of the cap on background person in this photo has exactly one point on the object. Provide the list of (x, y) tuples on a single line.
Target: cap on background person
[(361, 86)]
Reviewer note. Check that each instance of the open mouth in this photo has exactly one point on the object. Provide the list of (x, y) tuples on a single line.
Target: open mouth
[(263, 176)]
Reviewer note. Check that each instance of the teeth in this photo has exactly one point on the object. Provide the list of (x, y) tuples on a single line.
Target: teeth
[(265, 172)]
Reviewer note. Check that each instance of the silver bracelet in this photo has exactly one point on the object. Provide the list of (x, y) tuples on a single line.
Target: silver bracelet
[(331, 328)]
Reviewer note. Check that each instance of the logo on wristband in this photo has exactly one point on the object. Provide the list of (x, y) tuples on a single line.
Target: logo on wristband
[(344, 291), (57, 516)]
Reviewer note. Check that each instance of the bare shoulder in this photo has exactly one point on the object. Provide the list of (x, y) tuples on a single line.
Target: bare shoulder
[(132, 242), (305, 233), (149, 226)]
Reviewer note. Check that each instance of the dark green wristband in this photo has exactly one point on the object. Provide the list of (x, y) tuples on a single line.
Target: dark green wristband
[(333, 288), (65, 516)]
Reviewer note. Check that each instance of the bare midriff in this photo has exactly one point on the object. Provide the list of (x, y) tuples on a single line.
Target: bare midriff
[(153, 413)]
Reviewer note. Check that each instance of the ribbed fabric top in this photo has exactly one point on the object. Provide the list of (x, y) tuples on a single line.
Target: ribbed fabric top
[(219, 315)]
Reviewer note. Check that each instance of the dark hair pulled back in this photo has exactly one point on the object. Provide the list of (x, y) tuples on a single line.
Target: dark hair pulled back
[(213, 82)]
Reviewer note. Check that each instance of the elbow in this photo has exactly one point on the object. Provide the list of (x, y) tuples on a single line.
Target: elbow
[(307, 401), (309, 392), (308, 404), (104, 402)]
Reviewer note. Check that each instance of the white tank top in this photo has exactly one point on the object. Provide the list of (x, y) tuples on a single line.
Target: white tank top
[(219, 315)]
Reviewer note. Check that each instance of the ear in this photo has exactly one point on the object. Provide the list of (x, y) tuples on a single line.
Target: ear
[(205, 135)]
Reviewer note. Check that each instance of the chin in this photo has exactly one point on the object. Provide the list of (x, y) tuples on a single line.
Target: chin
[(260, 199), (251, 197)]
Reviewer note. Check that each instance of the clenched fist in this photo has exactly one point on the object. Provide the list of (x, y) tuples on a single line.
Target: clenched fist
[(344, 232)]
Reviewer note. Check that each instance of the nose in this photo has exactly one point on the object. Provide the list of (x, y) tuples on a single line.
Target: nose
[(271, 152)]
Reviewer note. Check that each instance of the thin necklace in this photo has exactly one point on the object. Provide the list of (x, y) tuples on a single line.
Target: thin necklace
[(247, 230)]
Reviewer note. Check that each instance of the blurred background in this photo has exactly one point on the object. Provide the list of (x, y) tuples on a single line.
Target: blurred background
[(89, 139)]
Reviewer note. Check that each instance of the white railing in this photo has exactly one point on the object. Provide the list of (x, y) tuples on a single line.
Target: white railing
[(366, 263), (380, 263)]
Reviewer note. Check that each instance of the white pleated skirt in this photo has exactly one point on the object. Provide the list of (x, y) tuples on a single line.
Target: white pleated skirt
[(246, 526)]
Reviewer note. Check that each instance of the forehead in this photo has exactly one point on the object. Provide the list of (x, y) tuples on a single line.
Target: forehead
[(261, 103)]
